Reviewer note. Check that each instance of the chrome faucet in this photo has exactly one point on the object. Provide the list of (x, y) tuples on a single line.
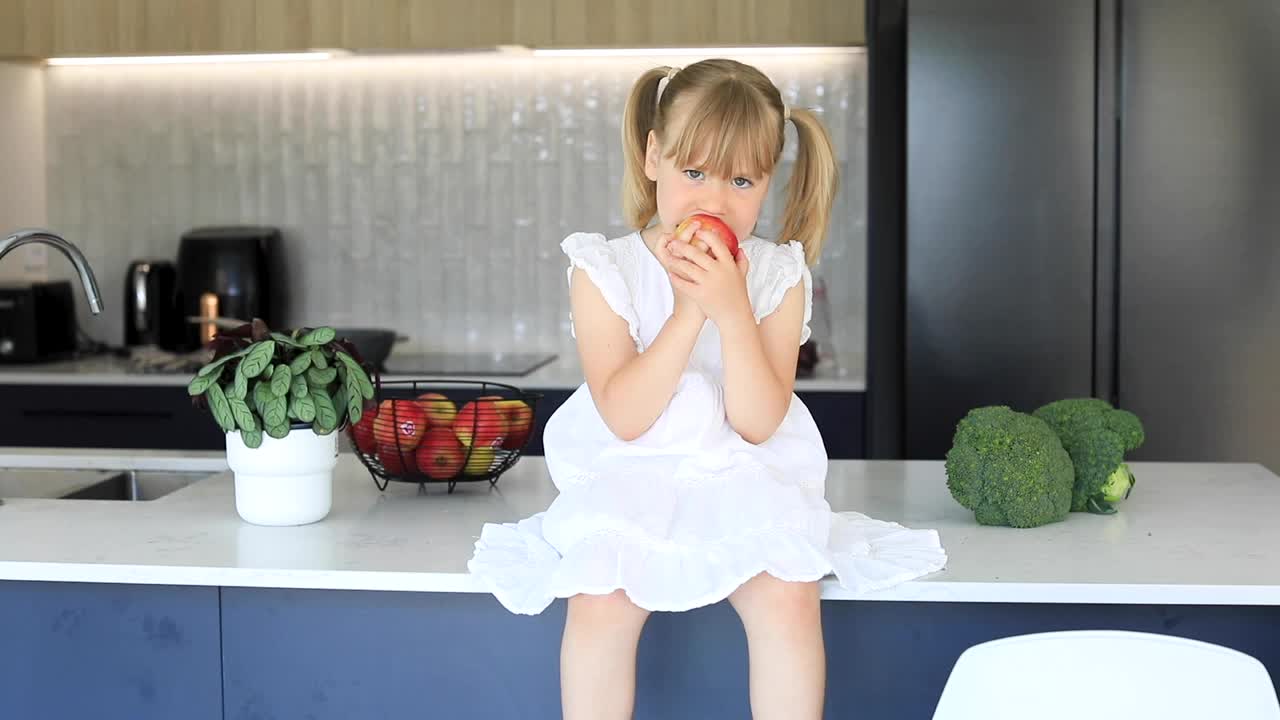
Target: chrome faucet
[(36, 235)]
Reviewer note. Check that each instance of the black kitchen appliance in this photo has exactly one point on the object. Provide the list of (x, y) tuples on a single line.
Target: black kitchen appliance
[(151, 314), (228, 272), (37, 322)]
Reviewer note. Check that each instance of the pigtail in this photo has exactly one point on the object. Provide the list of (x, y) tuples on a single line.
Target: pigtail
[(811, 190), (639, 193)]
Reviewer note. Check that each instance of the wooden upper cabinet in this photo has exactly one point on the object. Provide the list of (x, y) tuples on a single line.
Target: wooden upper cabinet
[(42, 28), (668, 23)]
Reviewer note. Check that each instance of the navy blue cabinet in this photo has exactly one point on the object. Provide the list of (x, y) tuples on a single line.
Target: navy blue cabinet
[(84, 650)]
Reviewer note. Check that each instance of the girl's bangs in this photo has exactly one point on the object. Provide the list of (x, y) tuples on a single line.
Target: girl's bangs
[(728, 132)]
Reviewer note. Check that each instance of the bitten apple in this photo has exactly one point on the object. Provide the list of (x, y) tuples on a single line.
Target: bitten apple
[(400, 423), (481, 423), (715, 225), (440, 455), (519, 423), (440, 410)]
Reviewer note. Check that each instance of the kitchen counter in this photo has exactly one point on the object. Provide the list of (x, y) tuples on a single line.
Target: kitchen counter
[(1171, 543), (847, 374)]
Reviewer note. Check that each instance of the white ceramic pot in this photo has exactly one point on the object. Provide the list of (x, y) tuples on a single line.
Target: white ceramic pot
[(284, 482)]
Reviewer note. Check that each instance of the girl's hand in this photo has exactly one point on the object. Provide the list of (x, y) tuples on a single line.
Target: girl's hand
[(712, 277), (685, 306)]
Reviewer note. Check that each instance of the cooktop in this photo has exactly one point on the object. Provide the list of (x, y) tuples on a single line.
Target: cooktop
[(465, 363)]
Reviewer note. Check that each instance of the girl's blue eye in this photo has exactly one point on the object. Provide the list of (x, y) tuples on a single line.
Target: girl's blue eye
[(741, 182), (693, 174)]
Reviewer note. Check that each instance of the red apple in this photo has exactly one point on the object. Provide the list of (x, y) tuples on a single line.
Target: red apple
[(715, 225), (481, 423), (362, 433), (440, 410), (519, 423), (396, 462), (440, 455), (400, 423)]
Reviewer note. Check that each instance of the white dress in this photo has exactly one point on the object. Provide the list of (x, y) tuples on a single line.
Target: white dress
[(684, 514)]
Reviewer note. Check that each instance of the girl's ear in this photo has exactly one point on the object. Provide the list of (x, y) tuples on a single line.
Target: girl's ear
[(651, 155)]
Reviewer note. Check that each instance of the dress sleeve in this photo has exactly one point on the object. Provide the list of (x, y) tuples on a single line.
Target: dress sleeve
[(775, 269), (593, 253)]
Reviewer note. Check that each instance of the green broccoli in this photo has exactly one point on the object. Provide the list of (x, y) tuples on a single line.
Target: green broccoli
[(1096, 436), (1009, 468)]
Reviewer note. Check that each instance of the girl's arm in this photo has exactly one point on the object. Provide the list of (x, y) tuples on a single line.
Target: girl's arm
[(759, 360), (630, 388), (760, 366)]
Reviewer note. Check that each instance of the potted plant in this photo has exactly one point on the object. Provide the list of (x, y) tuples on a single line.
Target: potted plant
[(280, 398)]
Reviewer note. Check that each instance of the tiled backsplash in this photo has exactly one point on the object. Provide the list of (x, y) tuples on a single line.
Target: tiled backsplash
[(428, 194)]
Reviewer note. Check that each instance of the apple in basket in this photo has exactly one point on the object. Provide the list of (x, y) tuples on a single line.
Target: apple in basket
[(715, 225), (481, 423), (482, 458), (440, 455), (519, 423), (440, 410), (362, 433), (400, 423), (397, 462)]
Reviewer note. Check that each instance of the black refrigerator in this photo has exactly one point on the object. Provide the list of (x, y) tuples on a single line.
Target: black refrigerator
[(1075, 199)]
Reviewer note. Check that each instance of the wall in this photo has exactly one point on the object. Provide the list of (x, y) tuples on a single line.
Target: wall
[(426, 193), (22, 179)]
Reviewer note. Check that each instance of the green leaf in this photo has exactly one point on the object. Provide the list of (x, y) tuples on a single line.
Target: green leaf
[(278, 431), (286, 340), (318, 378), (239, 387), (319, 336), (251, 438), (293, 412), (326, 415), (299, 388), (261, 394), (258, 359), (355, 406), (275, 412), (200, 383), (319, 359), (366, 387), (207, 369), (339, 405), (300, 363), (304, 407), (281, 379), (221, 409), (244, 417)]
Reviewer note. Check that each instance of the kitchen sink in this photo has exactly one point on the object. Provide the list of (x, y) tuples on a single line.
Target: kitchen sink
[(45, 483), (137, 485)]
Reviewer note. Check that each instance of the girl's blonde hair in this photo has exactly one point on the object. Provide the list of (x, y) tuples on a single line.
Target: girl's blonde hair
[(737, 115)]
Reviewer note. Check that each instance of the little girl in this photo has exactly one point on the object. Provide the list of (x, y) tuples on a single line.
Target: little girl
[(688, 471)]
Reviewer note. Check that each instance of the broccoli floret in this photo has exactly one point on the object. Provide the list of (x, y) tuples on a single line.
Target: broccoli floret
[(1009, 468), (1096, 436)]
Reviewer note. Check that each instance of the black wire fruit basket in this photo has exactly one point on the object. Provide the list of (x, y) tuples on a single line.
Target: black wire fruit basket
[(443, 431)]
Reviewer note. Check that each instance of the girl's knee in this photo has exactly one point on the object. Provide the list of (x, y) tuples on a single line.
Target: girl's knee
[(611, 608), (785, 601)]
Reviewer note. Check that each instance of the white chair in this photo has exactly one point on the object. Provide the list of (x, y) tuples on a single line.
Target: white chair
[(1105, 674)]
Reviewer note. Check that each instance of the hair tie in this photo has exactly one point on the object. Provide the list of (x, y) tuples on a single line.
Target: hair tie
[(662, 84)]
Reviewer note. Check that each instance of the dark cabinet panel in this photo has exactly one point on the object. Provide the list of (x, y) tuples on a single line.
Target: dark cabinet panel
[(1199, 285), (999, 211)]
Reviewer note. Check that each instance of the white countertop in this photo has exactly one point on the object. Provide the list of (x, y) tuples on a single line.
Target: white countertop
[(847, 374), (1190, 534)]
